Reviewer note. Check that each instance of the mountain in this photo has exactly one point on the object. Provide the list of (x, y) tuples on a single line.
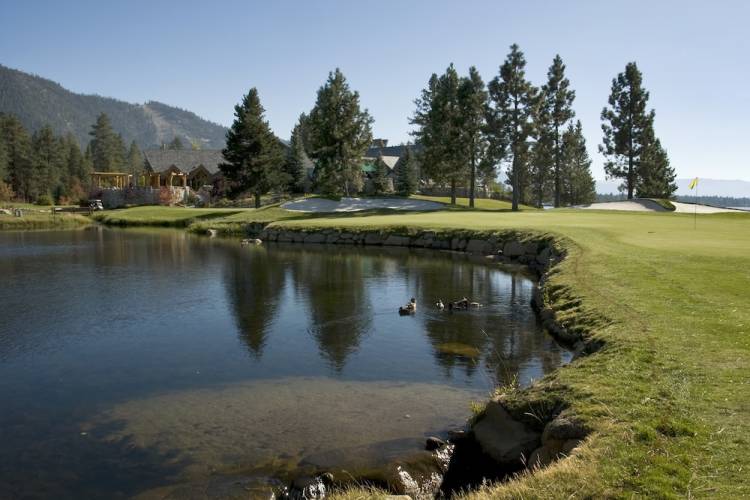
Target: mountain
[(706, 187), (37, 101)]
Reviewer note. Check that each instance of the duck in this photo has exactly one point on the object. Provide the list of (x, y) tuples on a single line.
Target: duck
[(439, 304), (409, 308)]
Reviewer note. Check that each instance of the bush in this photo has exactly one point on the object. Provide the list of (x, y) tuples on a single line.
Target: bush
[(44, 200), (6, 193)]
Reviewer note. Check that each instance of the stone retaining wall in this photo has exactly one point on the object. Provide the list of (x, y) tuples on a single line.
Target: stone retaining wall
[(530, 445)]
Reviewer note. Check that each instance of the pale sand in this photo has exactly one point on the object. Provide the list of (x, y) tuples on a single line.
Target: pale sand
[(358, 204), (652, 206)]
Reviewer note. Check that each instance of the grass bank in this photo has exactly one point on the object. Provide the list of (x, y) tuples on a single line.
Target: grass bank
[(161, 216), (668, 396), (37, 220)]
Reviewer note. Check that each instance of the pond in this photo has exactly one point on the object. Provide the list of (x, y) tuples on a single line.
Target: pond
[(135, 359)]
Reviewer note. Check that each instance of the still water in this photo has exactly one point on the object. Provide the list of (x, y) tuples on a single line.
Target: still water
[(130, 360)]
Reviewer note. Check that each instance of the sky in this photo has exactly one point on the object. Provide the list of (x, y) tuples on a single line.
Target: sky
[(203, 56)]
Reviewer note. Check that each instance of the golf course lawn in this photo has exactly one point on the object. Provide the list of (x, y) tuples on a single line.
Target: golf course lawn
[(161, 216), (668, 396)]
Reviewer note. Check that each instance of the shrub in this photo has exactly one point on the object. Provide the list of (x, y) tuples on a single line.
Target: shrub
[(44, 199), (6, 193)]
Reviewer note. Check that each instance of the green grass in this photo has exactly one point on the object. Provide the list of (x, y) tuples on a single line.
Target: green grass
[(668, 397), (161, 216), (42, 220), (479, 203)]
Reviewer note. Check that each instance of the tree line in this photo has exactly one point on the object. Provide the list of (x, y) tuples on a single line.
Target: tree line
[(47, 168)]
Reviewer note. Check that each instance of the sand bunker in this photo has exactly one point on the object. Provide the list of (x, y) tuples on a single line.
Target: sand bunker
[(359, 204), (644, 205)]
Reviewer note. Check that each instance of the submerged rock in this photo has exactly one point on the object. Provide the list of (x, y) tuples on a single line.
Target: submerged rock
[(433, 443)]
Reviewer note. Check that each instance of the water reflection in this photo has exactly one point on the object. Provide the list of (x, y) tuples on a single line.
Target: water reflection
[(133, 337)]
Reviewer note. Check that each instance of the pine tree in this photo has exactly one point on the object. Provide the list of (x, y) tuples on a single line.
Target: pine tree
[(135, 161), (556, 103), (3, 158), (107, 148), (381, 184), (407, 177), (253, 154), (48, 164), (540, 173), (439, 133), (655, 175), (577, 184), (175, 144), (627, 127), (78, 169), (510, 118), (18, 148), (472, 98), (294, 165), (339, 133)]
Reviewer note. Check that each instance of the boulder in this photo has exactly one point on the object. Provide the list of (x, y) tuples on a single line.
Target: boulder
[(433, 443), (531, 247), (373, 239), (332, 238), (315, 238), (544, 256), (513, 249), (504, 439), (395, 240), (478, 246), (564, 428)]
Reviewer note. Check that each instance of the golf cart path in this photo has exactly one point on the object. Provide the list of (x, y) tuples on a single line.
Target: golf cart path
[(359, 204)]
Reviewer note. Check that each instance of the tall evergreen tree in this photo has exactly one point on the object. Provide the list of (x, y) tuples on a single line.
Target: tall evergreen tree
[(577, 184), (655, 175), (135, 160), (339, 133), (540, 172), (627, 127), (78, 169), (380, 182), (439, 133), (294, 165), (556, 103), (3, 157), (473, 102), (48, 164), (254, 156), (510, 118), (107, 148), (407, 177), (175, 144), (18, 148)]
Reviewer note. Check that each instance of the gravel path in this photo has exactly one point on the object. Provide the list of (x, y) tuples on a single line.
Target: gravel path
[(358, 204)]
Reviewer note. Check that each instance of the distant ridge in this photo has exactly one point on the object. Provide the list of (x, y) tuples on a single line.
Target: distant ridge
[(706, 187), (37, 101)]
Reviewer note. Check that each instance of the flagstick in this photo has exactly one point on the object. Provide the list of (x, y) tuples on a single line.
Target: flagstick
[(695, 208)]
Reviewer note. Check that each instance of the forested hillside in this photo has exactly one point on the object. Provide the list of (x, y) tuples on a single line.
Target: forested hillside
[(38, 102)]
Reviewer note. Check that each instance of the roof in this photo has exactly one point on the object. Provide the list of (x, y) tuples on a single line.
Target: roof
[(397, 151), (186, 160)]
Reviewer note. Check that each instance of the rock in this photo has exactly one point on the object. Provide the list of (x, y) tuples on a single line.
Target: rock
[(504, 439), (531, 247), (570, 445), (394, 240), (315, 238), (373, 239), (212, 233), (332, 238), (251, 241), (346, 236), (441, 244), (544, 256), (285, 237), (563, 428), (309, 487), (545, 454), (433, 443), (478, 246), (513, 249)]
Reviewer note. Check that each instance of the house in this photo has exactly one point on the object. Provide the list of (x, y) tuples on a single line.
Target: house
[(182, 167)]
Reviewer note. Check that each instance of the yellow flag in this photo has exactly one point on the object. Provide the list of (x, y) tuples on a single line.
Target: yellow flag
[(693, 183)]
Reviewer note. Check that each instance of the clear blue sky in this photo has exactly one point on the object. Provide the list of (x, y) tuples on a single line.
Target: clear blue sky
[(203, 56)]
